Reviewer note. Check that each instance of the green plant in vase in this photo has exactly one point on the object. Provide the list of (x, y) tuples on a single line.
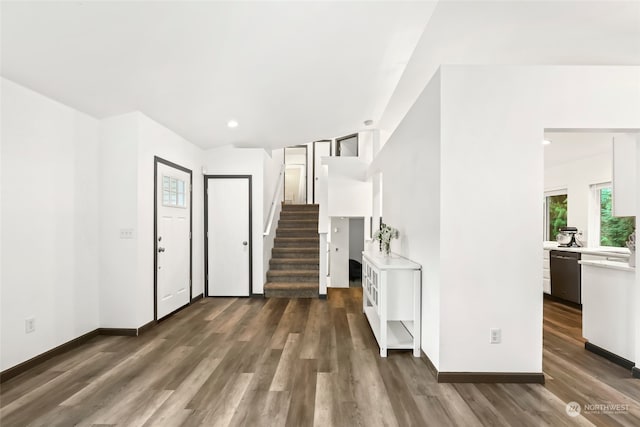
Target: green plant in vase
[(384, 236)]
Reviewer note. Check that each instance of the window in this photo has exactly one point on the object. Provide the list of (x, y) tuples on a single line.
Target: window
[(555, 213), (173, 192), (347, 146), (610, 230)]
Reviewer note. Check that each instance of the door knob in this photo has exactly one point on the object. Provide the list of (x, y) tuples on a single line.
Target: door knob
[(160, 249), (245, 243)]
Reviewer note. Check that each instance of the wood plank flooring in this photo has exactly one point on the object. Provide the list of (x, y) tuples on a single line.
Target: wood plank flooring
[(300, 362)]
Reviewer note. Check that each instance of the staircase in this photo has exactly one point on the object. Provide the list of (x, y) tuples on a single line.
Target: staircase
[(294, 267)]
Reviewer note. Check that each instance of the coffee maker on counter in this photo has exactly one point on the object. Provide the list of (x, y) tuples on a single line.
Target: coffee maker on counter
[(567, 237)]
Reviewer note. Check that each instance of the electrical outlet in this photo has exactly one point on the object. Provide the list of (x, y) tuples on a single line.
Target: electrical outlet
[(29, 325), (126, 233), (496, 336)]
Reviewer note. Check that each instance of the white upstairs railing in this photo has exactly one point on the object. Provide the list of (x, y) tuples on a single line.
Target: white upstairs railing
[(274, 203)]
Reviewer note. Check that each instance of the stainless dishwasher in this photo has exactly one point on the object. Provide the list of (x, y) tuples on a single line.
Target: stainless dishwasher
[(566, 276)]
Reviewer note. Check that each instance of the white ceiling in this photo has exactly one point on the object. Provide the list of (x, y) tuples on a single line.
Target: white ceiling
[(566, 147), (514, 33), (288, 72)]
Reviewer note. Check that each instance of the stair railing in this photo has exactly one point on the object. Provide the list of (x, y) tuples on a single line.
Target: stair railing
[(274, 203)]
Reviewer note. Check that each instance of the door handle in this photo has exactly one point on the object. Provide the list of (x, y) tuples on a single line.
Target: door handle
[(160, 249), (245, 243)]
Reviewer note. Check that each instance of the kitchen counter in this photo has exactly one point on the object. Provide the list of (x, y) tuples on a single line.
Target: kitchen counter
[(622, 253), (616, 265), (608, 314)]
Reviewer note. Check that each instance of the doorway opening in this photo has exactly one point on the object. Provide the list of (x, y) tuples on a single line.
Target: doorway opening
[(295, 175), (356, 247), (589, 198), (173, 252), (345, 255)]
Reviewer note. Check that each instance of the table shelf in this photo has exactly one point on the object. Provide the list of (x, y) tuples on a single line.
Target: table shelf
[(391, 301)]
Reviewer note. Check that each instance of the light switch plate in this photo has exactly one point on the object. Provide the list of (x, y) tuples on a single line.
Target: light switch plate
[(126, 233), (496, 336), (29, 325)]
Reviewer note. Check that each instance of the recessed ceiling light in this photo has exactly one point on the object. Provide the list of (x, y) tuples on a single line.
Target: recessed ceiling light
[(546, 142), (232, 124)]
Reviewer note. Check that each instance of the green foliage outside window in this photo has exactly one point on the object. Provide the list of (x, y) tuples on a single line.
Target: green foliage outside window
[(557, 208), (614, 231)]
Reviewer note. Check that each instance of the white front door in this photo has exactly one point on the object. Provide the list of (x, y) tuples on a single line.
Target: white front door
[(228, 231), (173, 245)]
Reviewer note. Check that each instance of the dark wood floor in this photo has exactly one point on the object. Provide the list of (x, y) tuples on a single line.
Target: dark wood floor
[(274, 362)]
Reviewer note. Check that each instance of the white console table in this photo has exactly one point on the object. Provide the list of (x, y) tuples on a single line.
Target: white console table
[(391, 301)]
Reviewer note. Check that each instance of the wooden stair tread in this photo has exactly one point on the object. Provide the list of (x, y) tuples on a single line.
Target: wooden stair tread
[(292, 272), (302, 214), (287, 238), (310, 249), (292, 207), (291, 285)]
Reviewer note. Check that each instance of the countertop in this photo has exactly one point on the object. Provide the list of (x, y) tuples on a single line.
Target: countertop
[(616, 265), (392, 262), (622, 253)]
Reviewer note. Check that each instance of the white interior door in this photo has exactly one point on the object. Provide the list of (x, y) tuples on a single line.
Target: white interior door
[(173, 212), (228, 233), (321, 149)]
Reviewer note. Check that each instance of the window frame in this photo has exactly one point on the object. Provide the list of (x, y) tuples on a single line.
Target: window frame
[(563, 191), (346, 138), (177, 193), (594, 215)]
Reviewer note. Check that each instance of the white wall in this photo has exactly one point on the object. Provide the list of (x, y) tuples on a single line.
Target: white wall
[(322, 198), (503, 149), (339, 253), (157, 140), (324, 224), (576, 177), (129, 144), (491, 125), (366, 144), (245, 161), (348, 190), (118, 210), (410, 165), (624, 174), (273, 162), (49, 266)]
